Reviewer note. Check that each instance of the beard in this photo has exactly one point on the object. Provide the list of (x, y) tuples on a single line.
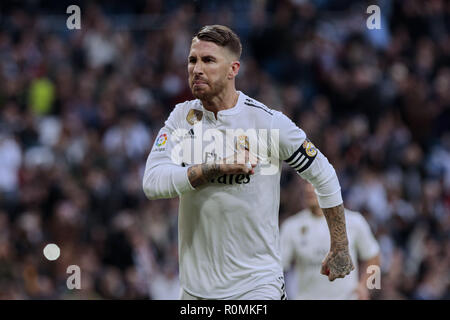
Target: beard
[(208, 92)]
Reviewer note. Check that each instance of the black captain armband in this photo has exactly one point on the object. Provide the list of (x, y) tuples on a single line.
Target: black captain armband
[(302, 158)]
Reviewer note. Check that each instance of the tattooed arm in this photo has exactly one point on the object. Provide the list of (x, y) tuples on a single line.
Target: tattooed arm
[(203, 173), (338, 262)]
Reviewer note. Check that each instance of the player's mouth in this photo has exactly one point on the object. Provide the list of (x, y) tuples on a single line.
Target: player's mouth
[(199, 83)]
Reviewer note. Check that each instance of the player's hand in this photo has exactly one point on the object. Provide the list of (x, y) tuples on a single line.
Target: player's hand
[(337, 263), (242, 162)]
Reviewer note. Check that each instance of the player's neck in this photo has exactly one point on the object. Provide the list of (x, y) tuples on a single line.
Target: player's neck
[(227, 99)]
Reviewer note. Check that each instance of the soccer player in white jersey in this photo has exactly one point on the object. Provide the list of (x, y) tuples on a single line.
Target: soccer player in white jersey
[(305, 239), (228, 232)]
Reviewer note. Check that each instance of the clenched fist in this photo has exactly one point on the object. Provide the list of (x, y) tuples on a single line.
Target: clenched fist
[(337, 264)]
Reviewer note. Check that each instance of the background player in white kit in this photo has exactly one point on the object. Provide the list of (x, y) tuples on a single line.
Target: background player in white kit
[(228, 213), (305, 239)]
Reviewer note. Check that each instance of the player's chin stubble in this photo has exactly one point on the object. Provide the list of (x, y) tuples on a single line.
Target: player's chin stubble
[(208, 93), (202, 94), (199, 94)]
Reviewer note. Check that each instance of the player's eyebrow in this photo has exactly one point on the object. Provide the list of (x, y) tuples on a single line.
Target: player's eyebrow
[(207, 57)]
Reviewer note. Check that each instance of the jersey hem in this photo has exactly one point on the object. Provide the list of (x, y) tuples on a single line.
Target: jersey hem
[(222, 297)]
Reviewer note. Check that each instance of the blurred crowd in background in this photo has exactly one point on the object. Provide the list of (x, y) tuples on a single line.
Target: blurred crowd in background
[(80, 109)]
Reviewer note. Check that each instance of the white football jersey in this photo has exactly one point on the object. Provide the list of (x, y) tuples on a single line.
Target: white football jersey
[(228, 228), (305, 239)]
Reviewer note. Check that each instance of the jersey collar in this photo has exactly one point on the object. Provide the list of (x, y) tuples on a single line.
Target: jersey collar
[(227, 112)]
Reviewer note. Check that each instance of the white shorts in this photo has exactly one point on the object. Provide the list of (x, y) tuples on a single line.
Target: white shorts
[(272, 291)]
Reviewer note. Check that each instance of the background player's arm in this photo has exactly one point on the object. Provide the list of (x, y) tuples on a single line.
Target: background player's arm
[(368, 252), (362, 290)]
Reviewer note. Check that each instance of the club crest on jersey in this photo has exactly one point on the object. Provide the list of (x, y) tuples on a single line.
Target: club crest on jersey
[(194, 116), (310, 148), (242, 143)]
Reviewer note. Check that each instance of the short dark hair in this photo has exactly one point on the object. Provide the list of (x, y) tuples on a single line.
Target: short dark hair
[(222, 36)]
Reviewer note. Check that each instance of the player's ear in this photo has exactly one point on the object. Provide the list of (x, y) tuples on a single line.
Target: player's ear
[(234, 69)]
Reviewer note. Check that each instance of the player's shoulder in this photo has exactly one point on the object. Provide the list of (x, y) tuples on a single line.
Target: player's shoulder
[(184, 107), (354, 217), (296, 219), (186, 112), (257, 108)]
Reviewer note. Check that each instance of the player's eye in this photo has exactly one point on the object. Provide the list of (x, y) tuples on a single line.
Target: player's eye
[(192, 60)]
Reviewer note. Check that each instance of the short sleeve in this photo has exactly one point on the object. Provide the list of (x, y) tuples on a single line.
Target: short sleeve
[(366, 244)]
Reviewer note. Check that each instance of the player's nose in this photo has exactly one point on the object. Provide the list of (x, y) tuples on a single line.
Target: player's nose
[(198, 69)]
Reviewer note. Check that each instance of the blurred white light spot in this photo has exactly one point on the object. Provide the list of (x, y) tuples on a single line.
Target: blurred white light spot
[(51, 251)]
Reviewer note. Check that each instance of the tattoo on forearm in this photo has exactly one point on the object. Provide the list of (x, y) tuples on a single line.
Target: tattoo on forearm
[(209, 171), (202, 173), (338, 262), (194, 175), (336, 223)]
